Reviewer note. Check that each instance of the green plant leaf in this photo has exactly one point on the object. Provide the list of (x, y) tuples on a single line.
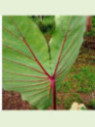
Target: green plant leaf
[(27, 67), (18, 63), (69, 33)]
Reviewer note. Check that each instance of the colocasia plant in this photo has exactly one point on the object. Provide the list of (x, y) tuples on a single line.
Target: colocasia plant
[(30, 65)]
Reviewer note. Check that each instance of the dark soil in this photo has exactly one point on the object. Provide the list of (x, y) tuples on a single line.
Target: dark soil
[(12, 100), (89, 42)]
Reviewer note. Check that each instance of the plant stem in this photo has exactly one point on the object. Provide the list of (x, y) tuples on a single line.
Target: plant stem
[(61, 106), (53, 92)]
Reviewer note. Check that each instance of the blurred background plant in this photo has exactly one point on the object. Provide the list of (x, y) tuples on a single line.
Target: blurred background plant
[(46, 25)]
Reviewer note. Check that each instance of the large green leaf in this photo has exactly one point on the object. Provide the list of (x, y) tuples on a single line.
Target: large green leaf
[(69, 34), (26, 65)]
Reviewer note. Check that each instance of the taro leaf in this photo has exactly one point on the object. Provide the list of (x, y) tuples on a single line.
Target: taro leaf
[(26, 65), (66, 43)]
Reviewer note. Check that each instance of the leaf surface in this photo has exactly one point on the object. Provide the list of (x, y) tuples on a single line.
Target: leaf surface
[(26, 65)]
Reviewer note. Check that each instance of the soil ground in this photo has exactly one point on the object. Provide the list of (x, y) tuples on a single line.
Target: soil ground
[(12, 100)]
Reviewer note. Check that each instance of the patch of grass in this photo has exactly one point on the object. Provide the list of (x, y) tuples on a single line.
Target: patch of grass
[(86, 79), (91, 104), (58, 100), (81, 78), (68, 102), (67, 86)]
